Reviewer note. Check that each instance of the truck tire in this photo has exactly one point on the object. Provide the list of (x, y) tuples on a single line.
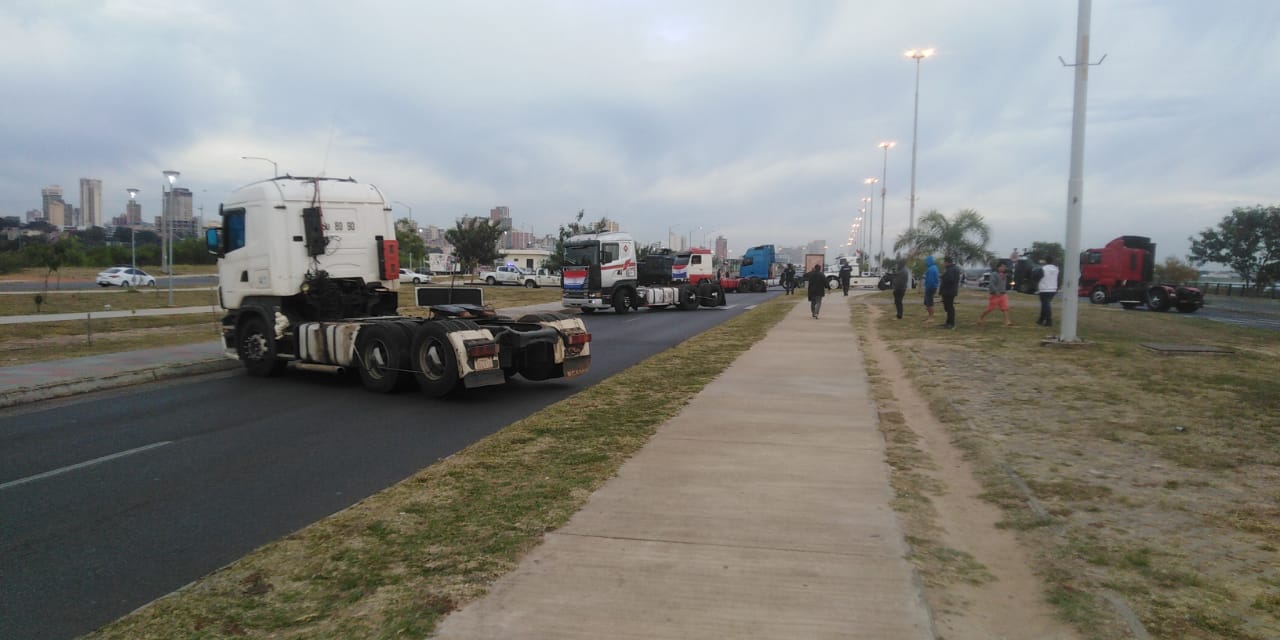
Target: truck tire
[(833, 283), (530, 284), (434, 363), (256, 347), (706, 295), (688, 298), (490, 281), (380, 356), (720, 301), (1158, 299), (1098, 295), (622, 300)]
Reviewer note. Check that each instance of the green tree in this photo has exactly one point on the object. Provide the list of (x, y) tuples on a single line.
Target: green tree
[(963, 237), (1044, 250), (411, 244), (1175, 270), (475, 242), (1248, 241)]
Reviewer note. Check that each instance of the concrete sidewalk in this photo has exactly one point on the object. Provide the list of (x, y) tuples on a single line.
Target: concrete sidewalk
[(760, 511)]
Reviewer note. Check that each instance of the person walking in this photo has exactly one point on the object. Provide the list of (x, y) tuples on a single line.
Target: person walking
[(846, 272), (1046, 289), (817, 289), (931, 280), (949, 288), (789, 279), (901, 279), (998, 295)]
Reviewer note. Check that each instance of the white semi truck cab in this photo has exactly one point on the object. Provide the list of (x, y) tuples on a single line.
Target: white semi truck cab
[(601, 271), (308, 272)]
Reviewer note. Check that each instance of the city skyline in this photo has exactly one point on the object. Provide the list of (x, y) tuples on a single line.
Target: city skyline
[(757, 119)]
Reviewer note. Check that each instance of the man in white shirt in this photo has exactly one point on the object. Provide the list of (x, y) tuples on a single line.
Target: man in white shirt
[(1047, 288)]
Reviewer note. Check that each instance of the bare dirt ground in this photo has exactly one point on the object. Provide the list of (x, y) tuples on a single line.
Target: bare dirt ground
[(1002, 598)]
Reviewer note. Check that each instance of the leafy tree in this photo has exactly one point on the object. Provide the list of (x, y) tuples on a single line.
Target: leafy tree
[(1043, 250), (964, 237), (475, 242), (411, 244), (1175, 270), (1248, 241)]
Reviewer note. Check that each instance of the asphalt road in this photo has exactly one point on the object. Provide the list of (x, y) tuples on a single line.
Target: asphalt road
[(110, 500)]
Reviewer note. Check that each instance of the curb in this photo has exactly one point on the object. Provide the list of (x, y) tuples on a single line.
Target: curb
[(62, 389)]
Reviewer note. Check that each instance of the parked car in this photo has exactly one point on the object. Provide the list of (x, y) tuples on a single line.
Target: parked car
[(125, 277), (409, 275)]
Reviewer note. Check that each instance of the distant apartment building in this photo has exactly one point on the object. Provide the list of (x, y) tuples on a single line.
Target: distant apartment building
[(501, 216), (722, 247), (177, 207), (34, 214), (90, 203), (133, 214), (51, 204)]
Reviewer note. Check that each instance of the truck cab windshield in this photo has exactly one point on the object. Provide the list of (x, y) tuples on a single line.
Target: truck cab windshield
[(581, 255)]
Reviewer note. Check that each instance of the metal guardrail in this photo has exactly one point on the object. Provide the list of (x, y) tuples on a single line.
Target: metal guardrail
[(1235, 289)]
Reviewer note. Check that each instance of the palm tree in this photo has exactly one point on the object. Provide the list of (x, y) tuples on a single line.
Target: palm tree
[(964, 237)]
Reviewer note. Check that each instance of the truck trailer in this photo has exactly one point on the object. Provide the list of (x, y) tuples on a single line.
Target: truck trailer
[(308, 275), (601, 271)]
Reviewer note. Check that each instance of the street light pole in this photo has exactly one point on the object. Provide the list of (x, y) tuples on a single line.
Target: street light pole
[(275, 170), (133, 230), (884, 190), (172, 176), (871, 214), (917, 55)]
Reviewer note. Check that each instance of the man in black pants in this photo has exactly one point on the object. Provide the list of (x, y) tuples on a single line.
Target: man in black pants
[(817, 287), (949, 288), (901, 279)]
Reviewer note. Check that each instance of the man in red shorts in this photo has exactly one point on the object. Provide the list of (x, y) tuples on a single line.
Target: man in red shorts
[(998, 288)]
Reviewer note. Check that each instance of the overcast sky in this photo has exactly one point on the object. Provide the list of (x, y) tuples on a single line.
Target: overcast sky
[(756, 120)]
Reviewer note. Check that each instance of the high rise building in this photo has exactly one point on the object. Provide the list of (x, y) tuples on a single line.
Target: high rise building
[(48, 196), (177, 206), (501, 216), (55, 211), (90, 203), (133, 214), (722, 247)]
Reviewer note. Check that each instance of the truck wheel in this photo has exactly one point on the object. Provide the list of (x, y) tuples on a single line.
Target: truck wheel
[(380, 356), (1158, 299), (720, 301), (622, 301), (1098, 295), (706, 297), (529, 284), (833, 283), (256, 346), (490, 281), (688, 298), (435, 365)]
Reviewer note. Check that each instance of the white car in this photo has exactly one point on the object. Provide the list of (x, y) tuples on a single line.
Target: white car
[(125, 277), (408, 275)]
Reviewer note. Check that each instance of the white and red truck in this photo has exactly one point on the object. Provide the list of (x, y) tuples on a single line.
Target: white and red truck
[(308, 273), (601, 271)]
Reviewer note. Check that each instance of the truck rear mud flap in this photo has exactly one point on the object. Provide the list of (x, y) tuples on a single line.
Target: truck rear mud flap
[(483, 378)]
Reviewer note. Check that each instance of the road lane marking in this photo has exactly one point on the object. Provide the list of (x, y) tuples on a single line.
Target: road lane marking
[(81, 465)]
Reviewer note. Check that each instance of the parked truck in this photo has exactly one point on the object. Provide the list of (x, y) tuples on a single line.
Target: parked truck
[(308, 274), (601, 271), (1123, 271), (758, 269)]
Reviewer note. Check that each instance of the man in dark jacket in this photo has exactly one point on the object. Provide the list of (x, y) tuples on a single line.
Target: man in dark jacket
[(846, 272), (789, 279), (949, 288), (817, 288), (901, 280)]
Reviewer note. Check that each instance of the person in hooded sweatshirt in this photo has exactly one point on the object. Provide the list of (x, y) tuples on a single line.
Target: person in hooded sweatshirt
[(901, 279), (931, 281)]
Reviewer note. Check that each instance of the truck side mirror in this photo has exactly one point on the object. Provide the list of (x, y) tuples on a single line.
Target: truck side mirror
[(213, 241)]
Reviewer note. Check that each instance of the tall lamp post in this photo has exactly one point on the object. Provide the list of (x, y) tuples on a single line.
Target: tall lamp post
[(133, 230), (871, 213), (171, 176), (275, 170), (917, 55), (884, 190)]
